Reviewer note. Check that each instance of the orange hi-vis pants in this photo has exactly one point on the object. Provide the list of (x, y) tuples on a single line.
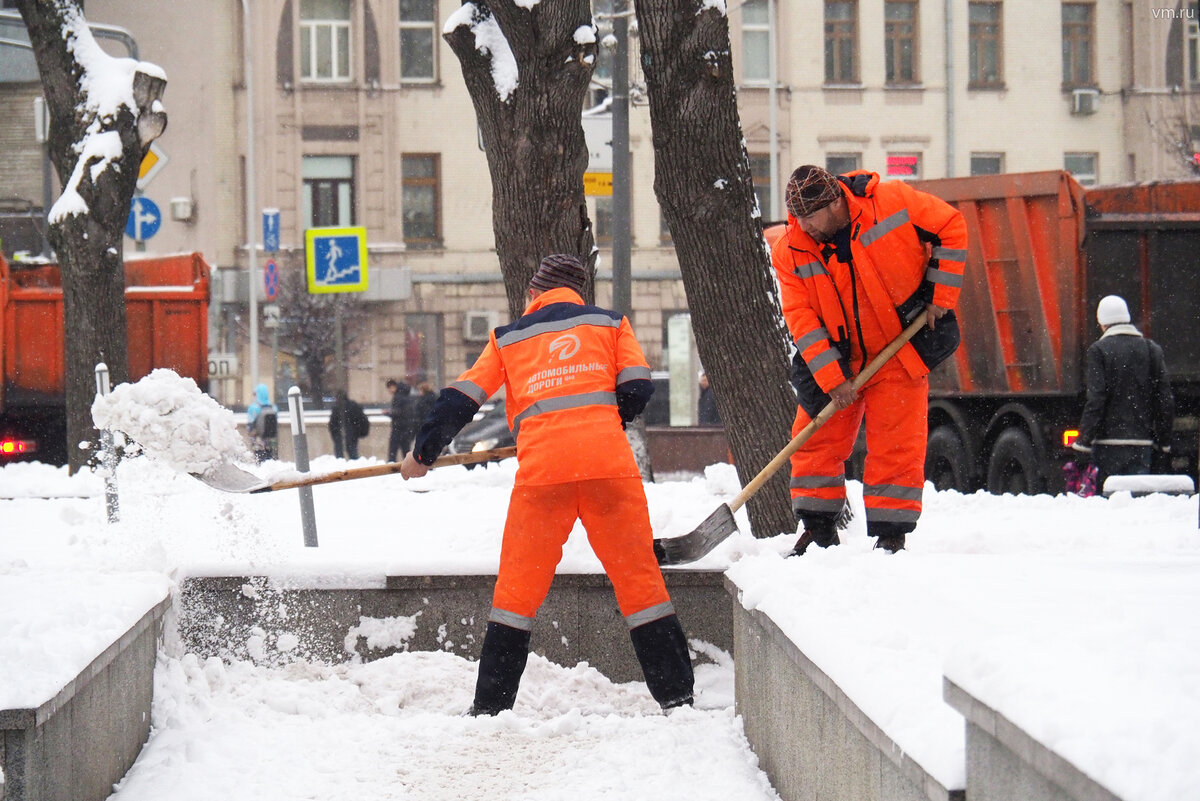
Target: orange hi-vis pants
[(896, 410), (540, 519)]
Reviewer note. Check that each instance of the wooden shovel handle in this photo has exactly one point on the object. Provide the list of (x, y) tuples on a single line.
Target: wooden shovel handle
[(830, 408), (474, 457)]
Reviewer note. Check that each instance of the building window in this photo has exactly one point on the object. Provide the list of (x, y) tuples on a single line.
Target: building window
[(1192, 28), (420, 176), (328, 191), (418, 20), (1082, 166), (986, 45), (842, 163), (900, 41), (760, 174), (987, 163), (905, 166), (1077, 47), (603, 229), (756, 42), (841, 41), (325, 40)]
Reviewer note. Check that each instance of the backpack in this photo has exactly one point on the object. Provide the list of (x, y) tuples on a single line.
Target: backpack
[(266, 424), (362, 426)]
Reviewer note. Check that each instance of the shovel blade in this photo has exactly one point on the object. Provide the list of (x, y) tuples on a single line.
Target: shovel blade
[(698, 542), (228, 477)]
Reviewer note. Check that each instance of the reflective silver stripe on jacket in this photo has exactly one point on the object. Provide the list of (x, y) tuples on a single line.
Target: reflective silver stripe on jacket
[(806, 504), (810, 269), (632, 374), (818, 334), (943, 277), (892, 515), (471, 390), (551, 326), (510, 619), (949, 254), (883, 227), (653, 613), (821, 359), (1135, 442), (564, 402), (817, 482), (895, 491)]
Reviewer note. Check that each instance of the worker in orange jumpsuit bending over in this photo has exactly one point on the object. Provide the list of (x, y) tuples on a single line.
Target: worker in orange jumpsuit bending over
[(859, 260), (573, 375)]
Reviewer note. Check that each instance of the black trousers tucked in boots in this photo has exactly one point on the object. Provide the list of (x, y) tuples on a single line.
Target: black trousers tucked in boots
[(501, 663), (661, 648)]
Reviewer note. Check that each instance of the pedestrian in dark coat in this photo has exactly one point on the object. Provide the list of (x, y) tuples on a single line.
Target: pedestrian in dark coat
[(1130, 410), (707, 406), (347, 424), (404, 422)]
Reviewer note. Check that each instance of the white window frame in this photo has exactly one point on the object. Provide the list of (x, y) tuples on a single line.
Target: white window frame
[(759, 31), (337, 28), (1084, 178), (340, 170), (417, 25)]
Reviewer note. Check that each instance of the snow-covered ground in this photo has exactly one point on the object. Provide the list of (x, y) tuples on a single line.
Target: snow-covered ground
[(1074, 617)]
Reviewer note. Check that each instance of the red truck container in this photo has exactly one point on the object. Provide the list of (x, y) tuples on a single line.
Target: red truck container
[(1043, 250), (166, 306)]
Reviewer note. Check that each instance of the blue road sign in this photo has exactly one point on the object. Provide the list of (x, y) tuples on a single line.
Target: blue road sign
[(270, 219), (144, 219), (271, 280), (336, 259)]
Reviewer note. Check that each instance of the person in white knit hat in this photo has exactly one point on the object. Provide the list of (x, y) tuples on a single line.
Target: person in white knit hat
[(1129, 412)]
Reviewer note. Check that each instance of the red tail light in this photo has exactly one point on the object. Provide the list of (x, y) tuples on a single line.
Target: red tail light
[(1069, 436), (17, 447)]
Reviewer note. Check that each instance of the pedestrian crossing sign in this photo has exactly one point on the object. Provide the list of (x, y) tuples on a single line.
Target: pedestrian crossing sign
[(336, 259)]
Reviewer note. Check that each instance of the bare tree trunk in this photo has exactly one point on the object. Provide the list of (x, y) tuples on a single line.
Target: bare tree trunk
[(703, 183), (87, 233), (532, 128)]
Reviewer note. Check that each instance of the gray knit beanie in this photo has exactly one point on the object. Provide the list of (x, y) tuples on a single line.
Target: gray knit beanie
[(560, 269)]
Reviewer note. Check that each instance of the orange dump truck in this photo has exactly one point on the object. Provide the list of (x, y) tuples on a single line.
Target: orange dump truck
[(166, 306), (1043, 251)]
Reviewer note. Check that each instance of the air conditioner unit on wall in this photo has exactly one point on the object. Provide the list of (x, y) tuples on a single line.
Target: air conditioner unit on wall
[(1084, 101), (477, 325)]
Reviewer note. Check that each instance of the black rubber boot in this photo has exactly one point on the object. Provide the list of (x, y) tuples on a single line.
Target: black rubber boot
[(822, 529), (662, 650), (889, 536), (501, 663)]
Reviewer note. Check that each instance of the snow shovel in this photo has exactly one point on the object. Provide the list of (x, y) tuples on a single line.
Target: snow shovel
[(720, 524), (230, 478)]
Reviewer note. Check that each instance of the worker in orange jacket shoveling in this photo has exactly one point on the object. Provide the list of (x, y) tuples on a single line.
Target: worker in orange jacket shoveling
[(859, 261), (574, 375)]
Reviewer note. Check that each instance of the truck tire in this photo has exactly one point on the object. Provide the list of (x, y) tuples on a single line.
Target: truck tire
[(1013, 466), (946, 462)]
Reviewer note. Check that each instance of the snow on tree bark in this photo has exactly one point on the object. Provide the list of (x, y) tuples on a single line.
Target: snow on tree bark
[(104, 113), (527, 68), (703, 183)]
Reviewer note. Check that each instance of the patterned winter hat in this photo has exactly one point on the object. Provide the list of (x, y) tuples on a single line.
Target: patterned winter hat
[(811, 189), (560, 269)]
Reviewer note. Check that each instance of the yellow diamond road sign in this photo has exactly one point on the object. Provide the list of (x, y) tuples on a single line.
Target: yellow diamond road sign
[(154, 161)]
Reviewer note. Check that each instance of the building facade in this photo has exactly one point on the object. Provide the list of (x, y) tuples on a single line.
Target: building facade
[(359, 116)]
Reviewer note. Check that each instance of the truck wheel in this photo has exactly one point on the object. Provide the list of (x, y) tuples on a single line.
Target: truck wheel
[(1013, 466), (946, 460)]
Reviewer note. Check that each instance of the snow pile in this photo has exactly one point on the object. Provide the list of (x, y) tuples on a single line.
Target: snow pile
[(172, 421), (490, 41)]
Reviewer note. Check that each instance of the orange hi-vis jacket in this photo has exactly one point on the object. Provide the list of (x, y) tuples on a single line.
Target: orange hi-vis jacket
[(572, 374), (840, 318)]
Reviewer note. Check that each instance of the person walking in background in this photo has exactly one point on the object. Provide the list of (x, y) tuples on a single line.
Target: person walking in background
[(859, 261), (347, 424), (262, 422), (403, 419), (1129, 411), (574, 375), (706, 408), (423, 403)]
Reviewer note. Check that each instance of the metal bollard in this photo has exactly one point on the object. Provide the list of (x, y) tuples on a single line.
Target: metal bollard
[(108, 454), (308, 515)]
